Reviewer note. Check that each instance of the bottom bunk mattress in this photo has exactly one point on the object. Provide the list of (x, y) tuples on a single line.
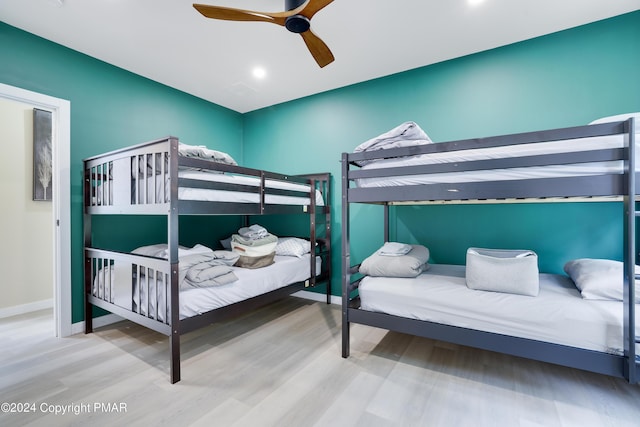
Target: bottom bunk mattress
[(557, 315), (124, 289), (286, 270)]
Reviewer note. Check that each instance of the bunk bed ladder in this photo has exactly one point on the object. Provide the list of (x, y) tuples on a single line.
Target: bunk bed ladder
[(629, 277)]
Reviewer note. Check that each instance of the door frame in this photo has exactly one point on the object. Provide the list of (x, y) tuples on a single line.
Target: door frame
[(61, 198)]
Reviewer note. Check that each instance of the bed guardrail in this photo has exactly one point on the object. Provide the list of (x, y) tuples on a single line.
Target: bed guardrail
[(133, 286), (141, 180)]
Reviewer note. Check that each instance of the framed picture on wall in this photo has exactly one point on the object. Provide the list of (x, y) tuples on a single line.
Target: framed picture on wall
[(42, 155)]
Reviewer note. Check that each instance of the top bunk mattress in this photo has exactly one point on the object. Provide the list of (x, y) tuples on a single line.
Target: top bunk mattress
[(557, 315), (192, 193), (498, 174)]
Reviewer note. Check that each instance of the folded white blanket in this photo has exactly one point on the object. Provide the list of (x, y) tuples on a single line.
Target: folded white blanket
[(394, 249), (406, 134), (207, 269), (253, 232), (209, 273), (266, 239)]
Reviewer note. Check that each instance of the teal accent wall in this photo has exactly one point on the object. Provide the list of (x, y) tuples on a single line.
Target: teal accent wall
[(563, 79), (112, 108)]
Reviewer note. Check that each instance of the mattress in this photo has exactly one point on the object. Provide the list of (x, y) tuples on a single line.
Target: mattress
[(510, 151), (251, 282), (157, 190), (187, 193), (284, 271), (557, 315)]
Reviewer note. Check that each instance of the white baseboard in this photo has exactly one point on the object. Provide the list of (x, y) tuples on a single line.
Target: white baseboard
[(26, 308), (78, 328), (315, 296)]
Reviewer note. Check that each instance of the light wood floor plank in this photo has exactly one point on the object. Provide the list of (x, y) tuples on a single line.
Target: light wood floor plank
[(281, 366)]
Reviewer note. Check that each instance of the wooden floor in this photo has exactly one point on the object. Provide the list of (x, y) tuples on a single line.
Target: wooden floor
[(281, 366)]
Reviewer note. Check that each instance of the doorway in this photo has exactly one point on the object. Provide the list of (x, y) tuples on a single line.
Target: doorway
[(61, 206)]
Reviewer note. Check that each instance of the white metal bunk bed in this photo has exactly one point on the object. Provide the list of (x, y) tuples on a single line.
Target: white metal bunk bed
[(592, 161), (155, 178)]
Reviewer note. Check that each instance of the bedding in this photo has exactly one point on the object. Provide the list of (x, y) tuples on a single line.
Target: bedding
[(159, 188), (558, 314), (599, 279), (510, 151), (497, 270), (194, 300), (148, 163), (293, 246), (199, 266), (411, 264), (403, 135)]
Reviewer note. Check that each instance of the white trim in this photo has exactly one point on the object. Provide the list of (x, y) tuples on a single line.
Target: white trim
[(26, 308), (61, 188), (98, 322), (315, 296)]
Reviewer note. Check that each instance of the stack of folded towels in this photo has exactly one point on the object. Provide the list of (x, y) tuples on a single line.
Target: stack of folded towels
[(255, 245)]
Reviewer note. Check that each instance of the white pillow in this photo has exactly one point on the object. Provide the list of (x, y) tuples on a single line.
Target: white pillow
[(598, 279), (617, 118), (161, 250), (293, 246), (158, 251)]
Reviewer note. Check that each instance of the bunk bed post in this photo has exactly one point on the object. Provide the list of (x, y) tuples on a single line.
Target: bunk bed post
[(88, 312), (312, 230), (629, 279), (327, 232), (346, 257), (386, 222), (172, 236)]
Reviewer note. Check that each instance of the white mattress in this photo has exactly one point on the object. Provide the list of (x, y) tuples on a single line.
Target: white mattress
[(557, 315), (155, 186), (510, 151), (242, 197), (251, 282), (284, 271)]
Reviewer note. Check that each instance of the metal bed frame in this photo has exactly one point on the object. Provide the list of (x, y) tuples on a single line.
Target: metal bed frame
[(110, 188), (621, 185)]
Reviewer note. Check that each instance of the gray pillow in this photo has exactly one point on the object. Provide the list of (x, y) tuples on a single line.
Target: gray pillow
[(497, 270)]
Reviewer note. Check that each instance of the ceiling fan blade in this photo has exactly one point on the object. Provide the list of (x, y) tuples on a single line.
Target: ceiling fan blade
[(318, 48), (312, 7), (231, 14)]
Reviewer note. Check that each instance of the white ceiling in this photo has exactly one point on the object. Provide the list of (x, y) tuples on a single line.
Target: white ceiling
[(170, 42)]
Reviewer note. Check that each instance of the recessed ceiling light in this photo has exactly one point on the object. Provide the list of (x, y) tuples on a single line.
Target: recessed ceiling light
[(259, 73), (474, 2)]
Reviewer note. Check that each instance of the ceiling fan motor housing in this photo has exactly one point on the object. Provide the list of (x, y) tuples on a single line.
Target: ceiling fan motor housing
[(297, 24)]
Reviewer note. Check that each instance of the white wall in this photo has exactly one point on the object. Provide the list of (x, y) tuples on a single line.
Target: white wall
[(26, 227)]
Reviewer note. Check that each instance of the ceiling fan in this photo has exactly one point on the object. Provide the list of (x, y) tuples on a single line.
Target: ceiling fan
[(296, 19)]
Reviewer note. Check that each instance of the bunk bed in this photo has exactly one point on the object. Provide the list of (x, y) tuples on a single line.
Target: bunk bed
[(591, 162), (167, 178)]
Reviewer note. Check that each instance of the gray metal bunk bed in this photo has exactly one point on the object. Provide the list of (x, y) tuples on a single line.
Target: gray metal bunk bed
[(388, 189), (148, 179)]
